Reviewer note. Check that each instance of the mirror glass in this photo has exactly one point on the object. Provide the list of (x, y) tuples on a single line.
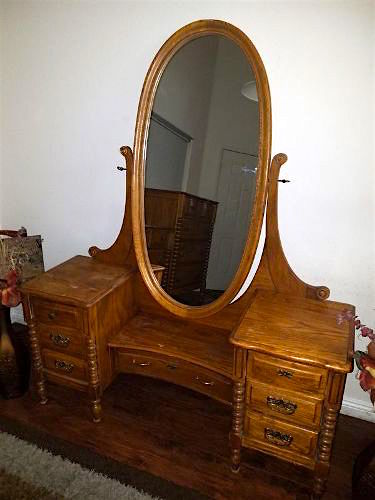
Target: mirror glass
[(201, 164)]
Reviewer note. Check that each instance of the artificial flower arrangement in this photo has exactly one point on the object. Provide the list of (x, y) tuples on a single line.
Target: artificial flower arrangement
[(21, 258), (10, 295), (9, 270), (365, 361)]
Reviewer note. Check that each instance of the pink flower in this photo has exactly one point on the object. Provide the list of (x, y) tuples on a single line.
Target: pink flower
[(367, 332), (340, 318), (345, 315), (348, 314)]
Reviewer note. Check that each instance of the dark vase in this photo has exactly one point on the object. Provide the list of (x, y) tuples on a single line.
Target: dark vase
[(364, 474), (14, 363)]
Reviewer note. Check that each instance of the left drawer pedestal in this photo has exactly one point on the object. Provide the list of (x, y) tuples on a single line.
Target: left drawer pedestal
[(63, 349)]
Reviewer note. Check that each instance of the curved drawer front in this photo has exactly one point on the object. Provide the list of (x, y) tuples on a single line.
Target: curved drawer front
[(286, 405), (280, 439), (61, 339), (174, 370), (281, 373), (62, 365), (52, 313)]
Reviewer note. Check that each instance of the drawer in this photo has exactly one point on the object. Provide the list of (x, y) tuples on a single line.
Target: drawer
[(281, 439), (193, 229), (64, 365), (57, 314), (61, 339), (198, 207), (280, 373), (192, 251), (286, 405), (191, 206), (176, 371), (159, 238)]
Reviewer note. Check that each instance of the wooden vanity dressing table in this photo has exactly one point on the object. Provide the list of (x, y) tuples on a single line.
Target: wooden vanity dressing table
[(276, 354)]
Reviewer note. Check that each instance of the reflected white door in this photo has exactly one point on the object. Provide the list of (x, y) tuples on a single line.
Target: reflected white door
[(235, 194)]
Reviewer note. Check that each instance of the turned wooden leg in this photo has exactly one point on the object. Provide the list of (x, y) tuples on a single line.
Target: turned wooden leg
[(37, 365), (237, 423), (327, 434), (94, 385)]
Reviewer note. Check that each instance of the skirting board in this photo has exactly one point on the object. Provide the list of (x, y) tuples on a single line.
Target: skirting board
[(358, 409)]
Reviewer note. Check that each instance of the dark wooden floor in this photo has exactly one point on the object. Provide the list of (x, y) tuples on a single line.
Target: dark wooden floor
[(182, 436)]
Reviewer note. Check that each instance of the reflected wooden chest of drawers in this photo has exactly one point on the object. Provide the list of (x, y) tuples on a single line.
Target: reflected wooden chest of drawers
[(179, 230), (290, 366)]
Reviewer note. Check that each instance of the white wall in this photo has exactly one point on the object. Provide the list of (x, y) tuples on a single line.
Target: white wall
[(165, 157), (183, 97), (232, 120), (72, 75)]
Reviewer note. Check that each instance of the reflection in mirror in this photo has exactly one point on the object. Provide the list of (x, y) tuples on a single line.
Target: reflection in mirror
[(201, 163)]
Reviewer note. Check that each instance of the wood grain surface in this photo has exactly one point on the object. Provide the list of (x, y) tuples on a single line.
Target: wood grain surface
[(300, 329), (181, 436)]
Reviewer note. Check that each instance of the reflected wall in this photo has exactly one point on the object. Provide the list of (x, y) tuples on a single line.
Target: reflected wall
[(201, 165)]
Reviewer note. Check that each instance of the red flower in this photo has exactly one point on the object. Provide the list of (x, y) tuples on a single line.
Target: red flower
[(368, 363), (10, 296), (366, 381), (12, 278)]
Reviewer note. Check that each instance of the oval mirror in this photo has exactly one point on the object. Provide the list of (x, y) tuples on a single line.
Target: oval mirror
[(201, 156)]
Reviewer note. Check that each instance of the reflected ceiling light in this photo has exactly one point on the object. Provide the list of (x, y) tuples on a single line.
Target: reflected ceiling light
[(249, 90)]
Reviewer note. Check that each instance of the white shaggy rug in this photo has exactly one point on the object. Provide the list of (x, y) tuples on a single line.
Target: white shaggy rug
[(60, 476)]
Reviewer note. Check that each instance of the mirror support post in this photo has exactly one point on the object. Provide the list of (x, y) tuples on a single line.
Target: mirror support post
[(121, 252)]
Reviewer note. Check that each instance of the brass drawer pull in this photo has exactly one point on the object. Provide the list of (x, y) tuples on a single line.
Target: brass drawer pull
[(278, 438), (51, 315), (172, 367), (64, 366), (145, 363), (204, 382), (286, 407), (284, 373), (59, 340)]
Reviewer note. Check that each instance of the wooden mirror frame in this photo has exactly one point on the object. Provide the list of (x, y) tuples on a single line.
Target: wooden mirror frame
[(167, 51)]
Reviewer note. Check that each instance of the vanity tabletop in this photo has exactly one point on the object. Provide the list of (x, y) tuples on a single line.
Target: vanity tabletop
[(79, 281), (204, 345), (298, 329)]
